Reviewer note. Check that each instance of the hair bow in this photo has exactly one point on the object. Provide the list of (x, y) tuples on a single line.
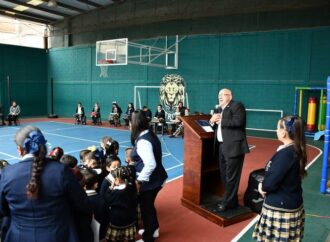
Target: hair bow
[(290, 124), (32, 142)]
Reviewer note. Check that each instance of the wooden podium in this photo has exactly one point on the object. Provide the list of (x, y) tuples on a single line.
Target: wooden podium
[(202, 186)]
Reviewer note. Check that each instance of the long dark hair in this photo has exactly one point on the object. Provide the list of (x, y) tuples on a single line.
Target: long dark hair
[(33, 142), (295, 126), (139, 123)]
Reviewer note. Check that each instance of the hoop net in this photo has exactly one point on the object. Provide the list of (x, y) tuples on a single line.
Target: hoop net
[(104, 68)]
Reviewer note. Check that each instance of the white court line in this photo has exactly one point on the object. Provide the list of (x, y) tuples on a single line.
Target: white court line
[(256, 218), (7, 135), (70, 137), (59, 129), (313, 161), (173, 167), (128, 141), (72, 151), (90, 126), (168, 152), (247, 227), (14, 157)]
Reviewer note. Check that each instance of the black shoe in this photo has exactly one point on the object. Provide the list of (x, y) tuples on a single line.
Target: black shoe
[(222, 207)]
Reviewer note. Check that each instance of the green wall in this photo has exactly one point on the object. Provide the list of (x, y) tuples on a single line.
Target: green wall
[(27, 72), (261, 68)]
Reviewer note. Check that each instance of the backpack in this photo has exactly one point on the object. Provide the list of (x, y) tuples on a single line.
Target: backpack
[(252, 198)]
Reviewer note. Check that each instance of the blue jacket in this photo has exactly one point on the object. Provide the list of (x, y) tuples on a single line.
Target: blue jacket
[(48, 218), (282, 181)]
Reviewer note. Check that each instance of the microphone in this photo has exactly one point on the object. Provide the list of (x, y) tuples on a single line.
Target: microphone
[(217, 109)]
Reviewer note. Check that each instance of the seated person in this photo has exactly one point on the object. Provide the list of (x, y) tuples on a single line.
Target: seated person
[(2, 116), (158, 120), (14, 112), (160, 114), (128, 114), (114, 116), (176, 121), (179, 130), (181, 108), (80, 114), (95, 114), (147, 113), (180, 111)]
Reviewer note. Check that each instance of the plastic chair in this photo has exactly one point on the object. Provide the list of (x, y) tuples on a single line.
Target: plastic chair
[(82, 120)]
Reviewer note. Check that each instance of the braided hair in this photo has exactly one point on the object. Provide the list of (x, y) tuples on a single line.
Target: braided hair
[(123, 173), (295, 127), (33, 142)]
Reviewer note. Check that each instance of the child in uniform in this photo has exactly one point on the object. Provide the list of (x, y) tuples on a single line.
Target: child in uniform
[(122, 202)]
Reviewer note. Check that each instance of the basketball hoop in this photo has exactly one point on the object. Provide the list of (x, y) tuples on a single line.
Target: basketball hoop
[(104, 68)]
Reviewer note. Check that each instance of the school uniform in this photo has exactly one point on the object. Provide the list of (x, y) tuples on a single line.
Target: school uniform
[(122, 202), (106, 183), (282, 215), (100, 211), (49, 217), (147, 155)]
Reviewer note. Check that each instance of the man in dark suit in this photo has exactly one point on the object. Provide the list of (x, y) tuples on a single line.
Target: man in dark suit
[(229, 121)]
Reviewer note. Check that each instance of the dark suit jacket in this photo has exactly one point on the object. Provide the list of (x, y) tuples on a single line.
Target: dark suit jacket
[(233, 125), (48, 218), (82, 111)]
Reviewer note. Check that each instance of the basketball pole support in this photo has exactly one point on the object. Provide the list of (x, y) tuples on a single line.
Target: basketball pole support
[(324, 175), (8, 90), (52, 115)]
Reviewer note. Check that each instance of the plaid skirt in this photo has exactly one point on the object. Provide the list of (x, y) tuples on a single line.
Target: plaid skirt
[(115, 233), (278, 225)]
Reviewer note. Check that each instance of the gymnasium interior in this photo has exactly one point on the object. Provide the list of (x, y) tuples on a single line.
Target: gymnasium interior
[(273, 55)]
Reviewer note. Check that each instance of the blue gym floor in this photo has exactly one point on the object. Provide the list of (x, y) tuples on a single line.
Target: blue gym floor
[(73, 138)]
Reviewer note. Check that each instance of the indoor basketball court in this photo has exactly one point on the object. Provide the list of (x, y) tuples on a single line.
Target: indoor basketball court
[(273, 56)]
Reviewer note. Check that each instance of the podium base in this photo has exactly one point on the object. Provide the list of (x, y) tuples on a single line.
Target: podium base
[(211, 212), (52, 115)]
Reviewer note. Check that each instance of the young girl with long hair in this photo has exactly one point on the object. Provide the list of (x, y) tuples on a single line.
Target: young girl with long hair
[(282, 215), (41, 195)]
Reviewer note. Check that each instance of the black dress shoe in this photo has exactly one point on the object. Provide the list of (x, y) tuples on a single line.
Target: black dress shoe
[(222, 207)]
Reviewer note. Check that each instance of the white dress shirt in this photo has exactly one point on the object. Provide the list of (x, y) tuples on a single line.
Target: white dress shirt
[(146, 153)]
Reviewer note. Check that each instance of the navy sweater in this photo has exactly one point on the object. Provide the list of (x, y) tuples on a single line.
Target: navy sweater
[(282, 180)]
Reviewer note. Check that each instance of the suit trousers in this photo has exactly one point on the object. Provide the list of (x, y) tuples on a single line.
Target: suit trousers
[(149, 213), (230, 172)]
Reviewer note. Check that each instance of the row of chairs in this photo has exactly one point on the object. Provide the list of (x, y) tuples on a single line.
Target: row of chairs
[(156, 127)]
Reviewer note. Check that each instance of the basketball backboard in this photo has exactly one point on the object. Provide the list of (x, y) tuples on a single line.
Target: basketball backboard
[(111, 52)]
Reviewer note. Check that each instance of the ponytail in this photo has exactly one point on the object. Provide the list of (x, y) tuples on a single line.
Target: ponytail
[(295, 127)]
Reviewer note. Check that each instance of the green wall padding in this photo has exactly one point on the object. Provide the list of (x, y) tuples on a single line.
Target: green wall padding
[(261, 68), (27, 72)]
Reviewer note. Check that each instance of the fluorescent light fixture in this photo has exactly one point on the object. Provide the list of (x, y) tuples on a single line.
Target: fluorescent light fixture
[(20, 8), (35, 2), (9, 12), (52, 3)]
